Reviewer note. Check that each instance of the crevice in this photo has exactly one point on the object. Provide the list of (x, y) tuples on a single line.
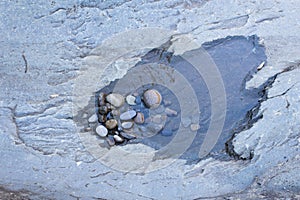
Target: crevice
[(254, 115)]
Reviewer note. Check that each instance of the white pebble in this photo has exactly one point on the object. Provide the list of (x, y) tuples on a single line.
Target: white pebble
[(130, 99), (101, 131)]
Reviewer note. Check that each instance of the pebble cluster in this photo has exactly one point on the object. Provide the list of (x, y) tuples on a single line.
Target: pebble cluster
[(124, 118)]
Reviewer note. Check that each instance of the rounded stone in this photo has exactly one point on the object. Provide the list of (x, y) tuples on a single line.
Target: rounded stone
[(118, 138), (195, 127), (128, 115), (102, 118), (152, 98), (111, 124), (115, 99), (139, 118), (130, 99), (170, 112), (127, 125), (101, 131)]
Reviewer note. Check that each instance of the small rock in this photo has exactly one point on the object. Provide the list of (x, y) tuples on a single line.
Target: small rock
[(110, 140), (159, 119), (186, 121), (111, 124), (115, 112), (118, 138), (167, 102), (101, 131), (103, 110), (139, 118), (152, 98), (110, 107), (166, 132), (138, 100), (87, 129), (160, 109), (195, 127), (130, 100), (102, 118), (127, 125), (115, 99), (155, 128), (128, 115), (127, 135), (101, 99), (93, 118), (170, 112)]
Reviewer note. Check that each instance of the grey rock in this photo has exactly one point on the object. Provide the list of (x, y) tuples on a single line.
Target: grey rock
[(152, 98), (103, 110), (170, 112), (101, 99), (128, 115), (115, 99), (127, 125), (101, 131), (102, 118)]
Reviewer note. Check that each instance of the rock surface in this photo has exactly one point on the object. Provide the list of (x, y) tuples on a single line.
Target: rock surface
[(43, 47)]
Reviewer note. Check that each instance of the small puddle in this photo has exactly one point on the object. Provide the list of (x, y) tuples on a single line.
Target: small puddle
[(236, 58)]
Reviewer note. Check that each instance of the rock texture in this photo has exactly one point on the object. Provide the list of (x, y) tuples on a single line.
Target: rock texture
[(44, 46)]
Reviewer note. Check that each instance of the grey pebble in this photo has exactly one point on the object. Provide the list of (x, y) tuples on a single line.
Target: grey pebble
[(128, 115), (115, 99), (139, 118), (152, 98), (101, 131), (170, 112), (110, 140), (127, 125)]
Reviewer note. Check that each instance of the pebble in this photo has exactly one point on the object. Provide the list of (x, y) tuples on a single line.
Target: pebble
[(155, 128), (110, 140), (195, 127), (103, 110), (166, 132), (101, 99), (139, 118), (152, 98), (167, 102), (130, 99), (102, 118), (127, 135), (93, 118), (127, 125), (109, 116), (101, 131), (115, 113), (111, 124), (138, 100), (115, 99), (128, 115), (118, 138), (170, 112)]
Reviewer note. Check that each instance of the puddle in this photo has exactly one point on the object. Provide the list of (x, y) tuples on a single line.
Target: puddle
[(236, 58)]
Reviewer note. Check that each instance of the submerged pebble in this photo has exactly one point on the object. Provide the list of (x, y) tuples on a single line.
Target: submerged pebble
[(170, 112), (152, 98), (110, 140), (128, 115), (115, 99), (101, 131), (139, 118), (195, 127), (127, 125)]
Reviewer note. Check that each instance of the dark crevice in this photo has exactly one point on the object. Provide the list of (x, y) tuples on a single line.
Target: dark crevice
[(254, 115)]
